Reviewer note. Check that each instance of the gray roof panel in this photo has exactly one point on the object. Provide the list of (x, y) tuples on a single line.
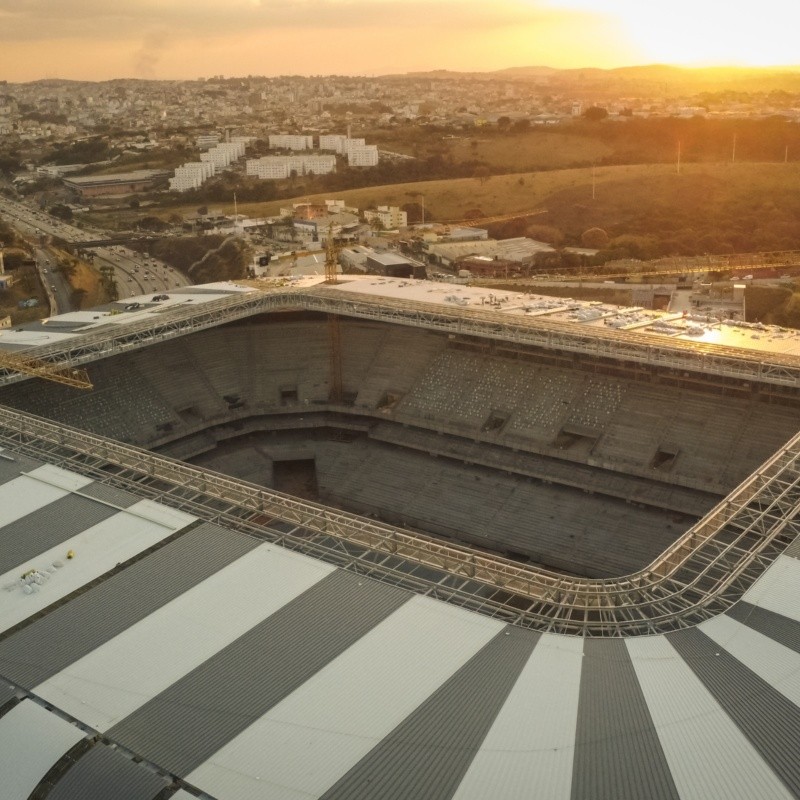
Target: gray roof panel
[(12, 465), (766, 717), (782, 629), (31, 741), (104, 773), (793, 550), (191, 720), (110, 494), (429, 753), (617, 751), (47, 527), (48, 645), (7, 692)]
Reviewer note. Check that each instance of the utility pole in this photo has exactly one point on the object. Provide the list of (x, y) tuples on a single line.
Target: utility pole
[(594, 183), (733, 156), (679, 156)]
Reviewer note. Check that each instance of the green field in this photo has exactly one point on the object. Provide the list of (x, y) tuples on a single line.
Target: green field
[(527, 152), (619, 192)]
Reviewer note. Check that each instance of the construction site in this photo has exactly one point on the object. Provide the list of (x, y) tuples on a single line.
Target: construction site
[(475, 542)]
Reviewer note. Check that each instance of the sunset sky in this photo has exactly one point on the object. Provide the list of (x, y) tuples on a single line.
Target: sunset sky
[(98, 39)]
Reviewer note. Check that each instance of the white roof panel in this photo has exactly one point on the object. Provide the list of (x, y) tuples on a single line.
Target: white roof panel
[(31, 741), (776, 589), (160, 514), (62, 478), (111, 682), (97, 550), (24, 495), (313, 737), (529, 749), (775, 663), (708, 755)]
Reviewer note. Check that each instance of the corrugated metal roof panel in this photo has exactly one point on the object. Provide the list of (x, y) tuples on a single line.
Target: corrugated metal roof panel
[(21, 496), (777, 665), (529, 750), (193, 719), (56, 476), (31, 741), (110, 494), (111, 682), (777, 627), (103, 774), (7, 692), (776, 589), (428, 754), (793, 550), (339, 714), (66, 634), (766, 717), (46, 527), (97, 550), (708, 755), (161, 514), (617, 752), (13, 464)]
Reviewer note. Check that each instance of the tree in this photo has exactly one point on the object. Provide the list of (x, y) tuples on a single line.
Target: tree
[(595, 113), (521, 125), (594, 238), (482, 174), (61, 212), (504, 123)]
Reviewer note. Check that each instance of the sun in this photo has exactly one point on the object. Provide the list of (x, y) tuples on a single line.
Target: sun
[(702, 32)]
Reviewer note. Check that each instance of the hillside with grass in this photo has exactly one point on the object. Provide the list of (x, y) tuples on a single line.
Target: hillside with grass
[(707, 208)]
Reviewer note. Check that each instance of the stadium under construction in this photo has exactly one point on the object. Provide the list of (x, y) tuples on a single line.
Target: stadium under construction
[(398, 539)]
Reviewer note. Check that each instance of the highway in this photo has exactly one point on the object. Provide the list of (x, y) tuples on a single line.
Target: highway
[(134, 273)]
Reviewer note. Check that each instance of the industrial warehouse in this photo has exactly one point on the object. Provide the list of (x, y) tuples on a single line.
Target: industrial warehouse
[(397, 539)]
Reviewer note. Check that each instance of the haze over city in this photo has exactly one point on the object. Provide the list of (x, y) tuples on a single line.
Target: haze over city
[(176, 39)]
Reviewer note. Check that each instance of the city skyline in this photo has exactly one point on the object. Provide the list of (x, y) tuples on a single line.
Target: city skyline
[(174, 39)]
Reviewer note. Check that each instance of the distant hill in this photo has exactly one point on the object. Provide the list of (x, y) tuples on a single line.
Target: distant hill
[(674, 80)]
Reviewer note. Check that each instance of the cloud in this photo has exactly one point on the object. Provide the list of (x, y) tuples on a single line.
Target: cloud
[(35, 20)]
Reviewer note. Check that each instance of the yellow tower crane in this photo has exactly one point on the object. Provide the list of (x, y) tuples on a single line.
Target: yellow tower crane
[(331, 267), (27, 365)]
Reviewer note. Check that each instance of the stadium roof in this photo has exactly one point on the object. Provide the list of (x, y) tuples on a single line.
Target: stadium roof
[(656, 329), (169, 650), (210, 635)]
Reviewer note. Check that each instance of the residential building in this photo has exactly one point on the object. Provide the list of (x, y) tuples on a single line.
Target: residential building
[(291, 142), (390, 217)]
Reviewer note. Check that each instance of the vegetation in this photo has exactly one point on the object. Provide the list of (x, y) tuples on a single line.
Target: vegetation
[(204, 258), (646, 210)]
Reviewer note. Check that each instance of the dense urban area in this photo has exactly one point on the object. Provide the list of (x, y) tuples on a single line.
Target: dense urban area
[(132, 185)]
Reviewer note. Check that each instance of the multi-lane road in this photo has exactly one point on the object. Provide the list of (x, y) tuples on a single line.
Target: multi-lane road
[(134, 273)]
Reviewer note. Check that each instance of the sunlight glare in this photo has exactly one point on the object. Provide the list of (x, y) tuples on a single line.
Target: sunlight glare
[(703, 32)]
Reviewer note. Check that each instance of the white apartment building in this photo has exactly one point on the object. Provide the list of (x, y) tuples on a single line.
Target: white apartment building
[(206, 141), (281, 167), (333, 141), (290, 142), (353, 144), (191, 176), (223, 154), (390, 217), (364, 156)]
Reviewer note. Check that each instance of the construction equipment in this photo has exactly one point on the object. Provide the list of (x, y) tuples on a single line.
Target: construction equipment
[(58, 373), (331, 257), (331, 267)]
